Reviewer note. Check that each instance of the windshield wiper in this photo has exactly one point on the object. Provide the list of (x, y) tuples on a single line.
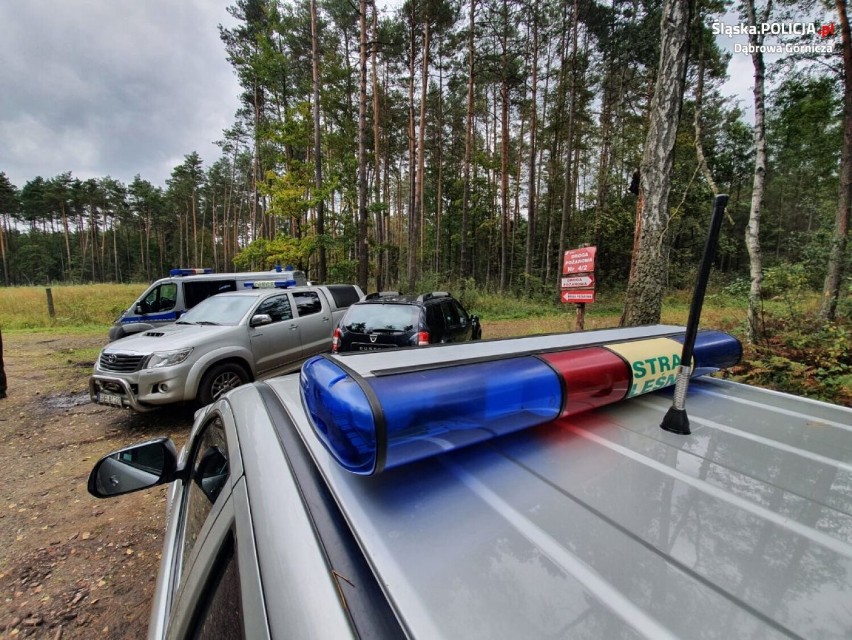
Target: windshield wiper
[(184, 322), (210, 322)]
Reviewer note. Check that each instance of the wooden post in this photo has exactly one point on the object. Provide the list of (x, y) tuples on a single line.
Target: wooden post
[(50, 310), (580, 323)]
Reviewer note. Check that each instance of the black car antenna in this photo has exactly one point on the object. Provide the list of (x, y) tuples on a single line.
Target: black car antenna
[(676, 419)]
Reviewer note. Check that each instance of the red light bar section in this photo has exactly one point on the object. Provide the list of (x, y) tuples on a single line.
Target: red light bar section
[(593, 377)]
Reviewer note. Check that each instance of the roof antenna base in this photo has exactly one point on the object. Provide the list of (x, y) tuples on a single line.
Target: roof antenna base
[(676, 421)]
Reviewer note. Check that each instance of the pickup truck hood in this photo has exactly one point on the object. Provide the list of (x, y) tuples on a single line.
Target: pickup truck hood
[(169, 337)]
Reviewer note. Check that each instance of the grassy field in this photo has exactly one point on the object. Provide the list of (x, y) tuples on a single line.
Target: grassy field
[(75, 307), (798, 355)]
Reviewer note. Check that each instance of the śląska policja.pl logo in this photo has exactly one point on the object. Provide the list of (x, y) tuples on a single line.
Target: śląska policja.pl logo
[(824, 32)]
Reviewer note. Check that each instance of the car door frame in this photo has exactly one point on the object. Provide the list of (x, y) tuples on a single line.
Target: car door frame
[(316, 328), (285, 333), (176, 603)]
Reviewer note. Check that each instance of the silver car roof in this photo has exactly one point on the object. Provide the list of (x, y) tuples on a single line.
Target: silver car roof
[(602, 525)]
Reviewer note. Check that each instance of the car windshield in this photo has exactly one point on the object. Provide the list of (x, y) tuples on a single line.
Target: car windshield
[(366, 318), (221, 309)]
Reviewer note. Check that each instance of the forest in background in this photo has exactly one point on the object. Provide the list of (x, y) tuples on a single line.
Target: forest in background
[(461, 142)]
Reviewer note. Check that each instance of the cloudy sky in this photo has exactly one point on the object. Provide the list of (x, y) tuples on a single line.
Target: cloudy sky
[(126, 87), (111, 87)]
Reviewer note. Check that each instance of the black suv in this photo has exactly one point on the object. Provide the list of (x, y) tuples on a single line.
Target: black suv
[(389, 319)]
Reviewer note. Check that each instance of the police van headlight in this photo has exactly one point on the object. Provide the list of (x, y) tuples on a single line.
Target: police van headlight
[(167, 358)]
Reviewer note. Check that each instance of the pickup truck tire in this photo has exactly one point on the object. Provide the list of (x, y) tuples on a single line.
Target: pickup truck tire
[(220, 379)]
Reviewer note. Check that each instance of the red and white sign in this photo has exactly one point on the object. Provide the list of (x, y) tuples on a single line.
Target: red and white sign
[(579, 260), (578, 295), (578, 282)]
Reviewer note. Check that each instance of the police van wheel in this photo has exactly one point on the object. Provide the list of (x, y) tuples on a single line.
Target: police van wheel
[(219, 380)]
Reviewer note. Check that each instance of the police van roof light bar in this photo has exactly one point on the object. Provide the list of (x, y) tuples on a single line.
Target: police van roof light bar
[(189, 272)]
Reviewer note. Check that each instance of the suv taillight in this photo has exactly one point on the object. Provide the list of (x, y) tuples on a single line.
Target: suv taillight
[(422, 338), (335, 340)]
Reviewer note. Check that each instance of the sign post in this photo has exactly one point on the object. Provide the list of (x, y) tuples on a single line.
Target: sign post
[(578, 281)]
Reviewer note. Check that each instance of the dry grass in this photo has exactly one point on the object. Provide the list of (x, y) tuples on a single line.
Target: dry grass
[(74, 305)]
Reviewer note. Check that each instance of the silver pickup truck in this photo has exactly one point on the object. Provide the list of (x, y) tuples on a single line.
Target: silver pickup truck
[(517, 488), (224, 341)]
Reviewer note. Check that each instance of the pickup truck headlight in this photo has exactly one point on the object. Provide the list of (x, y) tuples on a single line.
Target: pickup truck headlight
[(167, 358)]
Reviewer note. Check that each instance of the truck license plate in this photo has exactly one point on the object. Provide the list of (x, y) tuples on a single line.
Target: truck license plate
[(110, 398)]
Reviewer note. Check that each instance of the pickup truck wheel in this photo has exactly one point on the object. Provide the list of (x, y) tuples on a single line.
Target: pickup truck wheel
[(220, 379)]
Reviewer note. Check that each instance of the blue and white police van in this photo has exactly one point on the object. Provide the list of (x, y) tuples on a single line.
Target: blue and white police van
[(169, 298)]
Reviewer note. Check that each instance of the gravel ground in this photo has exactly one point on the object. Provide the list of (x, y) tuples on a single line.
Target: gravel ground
[(72, 566)]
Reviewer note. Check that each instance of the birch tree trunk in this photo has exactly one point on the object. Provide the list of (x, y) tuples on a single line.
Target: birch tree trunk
[(643, 303), (839, 239), (755, 328)]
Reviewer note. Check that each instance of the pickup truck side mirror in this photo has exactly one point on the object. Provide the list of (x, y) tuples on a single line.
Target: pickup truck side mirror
[(260, 319)]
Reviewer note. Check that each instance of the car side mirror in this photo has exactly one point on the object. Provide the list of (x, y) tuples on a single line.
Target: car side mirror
[(260, 319), (211, 473), (134, 468), (474, 319), (138, 309)]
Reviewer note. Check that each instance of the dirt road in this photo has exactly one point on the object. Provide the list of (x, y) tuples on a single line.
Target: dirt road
[(72, 566)]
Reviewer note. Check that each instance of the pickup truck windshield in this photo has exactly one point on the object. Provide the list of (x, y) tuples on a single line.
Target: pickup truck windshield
[(221, 309)]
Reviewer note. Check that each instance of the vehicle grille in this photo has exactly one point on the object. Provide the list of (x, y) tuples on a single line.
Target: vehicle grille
[(120, 362)]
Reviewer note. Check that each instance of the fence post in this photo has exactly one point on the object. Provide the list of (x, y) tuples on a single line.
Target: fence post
[(50, 310)]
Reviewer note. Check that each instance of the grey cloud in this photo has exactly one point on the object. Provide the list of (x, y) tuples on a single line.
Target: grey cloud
[(114, 87)]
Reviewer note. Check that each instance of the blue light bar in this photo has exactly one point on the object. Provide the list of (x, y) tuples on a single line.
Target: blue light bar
[(371, 419), (713, 350), (384, 422), (190, 272)]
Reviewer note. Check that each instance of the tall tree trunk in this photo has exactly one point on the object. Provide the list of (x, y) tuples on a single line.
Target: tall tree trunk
[(568, 190), (699, 100), (377, 179), (439, 150), (839, 239), (504, 154), (421, 131), (3, 256), (364, 247), (644, 298), (468, 145), (193, 206), (413, 213), (755, 296), (67, 234), (320, 210), (531, 202)]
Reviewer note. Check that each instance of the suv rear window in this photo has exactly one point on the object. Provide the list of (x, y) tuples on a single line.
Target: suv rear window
[(365, 318)]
